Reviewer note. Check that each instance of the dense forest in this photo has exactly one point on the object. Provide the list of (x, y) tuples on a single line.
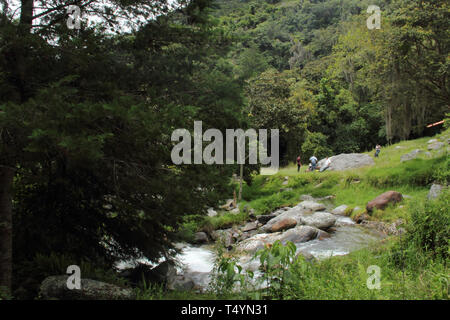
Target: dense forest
[(86, 114)]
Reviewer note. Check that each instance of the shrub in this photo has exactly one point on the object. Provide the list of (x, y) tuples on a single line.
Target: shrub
[(276, 261), (429, 230)]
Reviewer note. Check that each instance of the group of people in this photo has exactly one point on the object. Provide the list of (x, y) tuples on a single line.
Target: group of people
[(313, 164), (313, 161)]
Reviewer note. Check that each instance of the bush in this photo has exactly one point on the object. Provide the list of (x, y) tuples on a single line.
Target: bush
[(316, 144), (276, 262), (429, 229), (442, 172)]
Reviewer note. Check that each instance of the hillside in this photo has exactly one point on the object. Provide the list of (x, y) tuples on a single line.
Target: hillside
[(314, 70)]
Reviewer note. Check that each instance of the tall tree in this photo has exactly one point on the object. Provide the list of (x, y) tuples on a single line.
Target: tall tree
[(86, 119), (414, 66)]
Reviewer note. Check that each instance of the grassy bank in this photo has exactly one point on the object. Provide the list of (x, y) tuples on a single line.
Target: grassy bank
[(413, 266)]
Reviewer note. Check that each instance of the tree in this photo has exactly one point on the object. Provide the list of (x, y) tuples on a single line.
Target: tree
[(414, 66), (6, 178), (273, 104), (86, 119)]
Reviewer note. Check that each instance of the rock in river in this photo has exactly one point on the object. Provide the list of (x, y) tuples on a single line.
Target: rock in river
[(283, 225), (320, 220), (340, 210), (200, 237), (296, 235), (300, 234)]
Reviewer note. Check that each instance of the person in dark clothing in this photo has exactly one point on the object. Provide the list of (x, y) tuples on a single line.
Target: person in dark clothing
[(299, 164)]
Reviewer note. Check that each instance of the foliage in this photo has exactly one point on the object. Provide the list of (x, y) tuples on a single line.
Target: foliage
[(90, 134), (275, 263), (429, 230), (270, 106), (315, 145), (226, 275)]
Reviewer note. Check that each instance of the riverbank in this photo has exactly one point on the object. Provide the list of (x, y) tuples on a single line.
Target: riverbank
[(408, 271)]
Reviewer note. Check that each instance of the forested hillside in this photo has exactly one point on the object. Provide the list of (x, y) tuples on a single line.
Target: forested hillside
[(314, 70), (88, 114)]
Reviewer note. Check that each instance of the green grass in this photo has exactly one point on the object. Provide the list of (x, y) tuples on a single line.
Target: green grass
[(358, 186), (224, 220)]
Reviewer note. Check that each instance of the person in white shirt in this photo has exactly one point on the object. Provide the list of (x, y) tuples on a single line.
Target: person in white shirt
[(377, 150), (326, 165), (313, 161)]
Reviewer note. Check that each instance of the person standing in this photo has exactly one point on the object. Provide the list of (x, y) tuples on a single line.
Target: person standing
[(313, 161), (299, 164), (377, 150)]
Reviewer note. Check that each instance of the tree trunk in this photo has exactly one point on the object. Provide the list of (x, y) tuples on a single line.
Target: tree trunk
[(6, 181), (25, 26), (241, 175)]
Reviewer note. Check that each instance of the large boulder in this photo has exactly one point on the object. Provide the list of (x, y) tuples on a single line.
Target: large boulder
[(257, 242), (300, 234), (411, 155), (293, 213), (383, 200), (435, 145), (283, 225), (347, 161), (320, 220), (55, 287)]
